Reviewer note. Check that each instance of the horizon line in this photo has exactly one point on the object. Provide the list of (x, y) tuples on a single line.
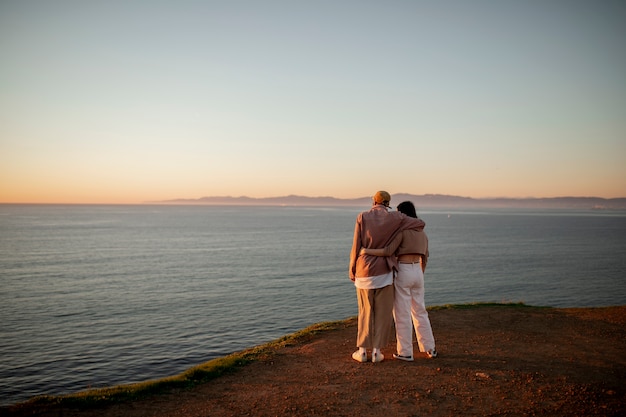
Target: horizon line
[(183, 200)]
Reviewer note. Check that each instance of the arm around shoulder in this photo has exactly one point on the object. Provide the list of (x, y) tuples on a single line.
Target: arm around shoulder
[(413, 223)]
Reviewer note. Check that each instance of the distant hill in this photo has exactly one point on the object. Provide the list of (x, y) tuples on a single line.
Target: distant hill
[(421, 201)]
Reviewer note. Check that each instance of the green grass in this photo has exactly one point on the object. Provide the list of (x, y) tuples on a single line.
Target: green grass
[(212, 369), (476, 305), (188, 379)]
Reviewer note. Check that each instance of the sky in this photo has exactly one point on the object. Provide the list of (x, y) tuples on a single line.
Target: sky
[(123, 102)]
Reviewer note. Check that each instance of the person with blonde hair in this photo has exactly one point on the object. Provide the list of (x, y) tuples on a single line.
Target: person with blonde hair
[(373, 275)]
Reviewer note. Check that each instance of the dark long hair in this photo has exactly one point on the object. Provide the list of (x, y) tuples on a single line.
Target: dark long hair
[(407, 208)]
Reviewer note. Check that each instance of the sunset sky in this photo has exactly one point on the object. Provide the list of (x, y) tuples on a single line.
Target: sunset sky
[(132, 101)]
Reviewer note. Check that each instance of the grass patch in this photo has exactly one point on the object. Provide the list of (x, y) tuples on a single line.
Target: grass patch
[(197, 375), (476, 305)]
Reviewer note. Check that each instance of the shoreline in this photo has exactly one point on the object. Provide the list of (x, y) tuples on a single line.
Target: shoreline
[(559, 335)]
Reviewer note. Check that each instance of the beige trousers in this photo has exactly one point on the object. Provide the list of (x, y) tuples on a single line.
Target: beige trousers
[(375, 319)]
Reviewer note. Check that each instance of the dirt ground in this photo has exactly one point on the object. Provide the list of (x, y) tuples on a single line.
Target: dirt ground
[(493, 361)]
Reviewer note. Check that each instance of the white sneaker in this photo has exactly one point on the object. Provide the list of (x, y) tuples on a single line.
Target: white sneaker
[(432, 353), (377, 357), (359, 357), (403, 358)]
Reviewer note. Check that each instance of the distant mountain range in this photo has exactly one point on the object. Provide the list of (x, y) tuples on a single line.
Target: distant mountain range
[(421, 201)]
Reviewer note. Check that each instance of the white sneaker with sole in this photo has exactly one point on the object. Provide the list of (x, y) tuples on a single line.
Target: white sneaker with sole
[(359, 357), (377, 357), (403, 358)]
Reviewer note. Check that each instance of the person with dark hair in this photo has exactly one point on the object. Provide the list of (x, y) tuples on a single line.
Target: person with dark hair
[(409, 309), (373, 275)]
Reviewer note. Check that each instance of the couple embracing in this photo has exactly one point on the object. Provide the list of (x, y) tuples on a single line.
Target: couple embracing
[(387, 243)]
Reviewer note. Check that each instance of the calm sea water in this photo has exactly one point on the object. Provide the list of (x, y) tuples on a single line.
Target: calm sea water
[(92, 296)]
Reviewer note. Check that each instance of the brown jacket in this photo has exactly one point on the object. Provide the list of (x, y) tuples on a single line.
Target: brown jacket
[(376, 228)]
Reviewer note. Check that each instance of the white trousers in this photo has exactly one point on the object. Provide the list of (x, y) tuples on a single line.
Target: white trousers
[(409, 310)]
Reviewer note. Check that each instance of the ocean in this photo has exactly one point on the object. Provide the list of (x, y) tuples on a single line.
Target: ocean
[(92, 296)]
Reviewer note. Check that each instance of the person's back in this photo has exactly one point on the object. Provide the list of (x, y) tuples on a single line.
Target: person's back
[(373, 276), (411, 250), (413, 241), (375, 229)]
